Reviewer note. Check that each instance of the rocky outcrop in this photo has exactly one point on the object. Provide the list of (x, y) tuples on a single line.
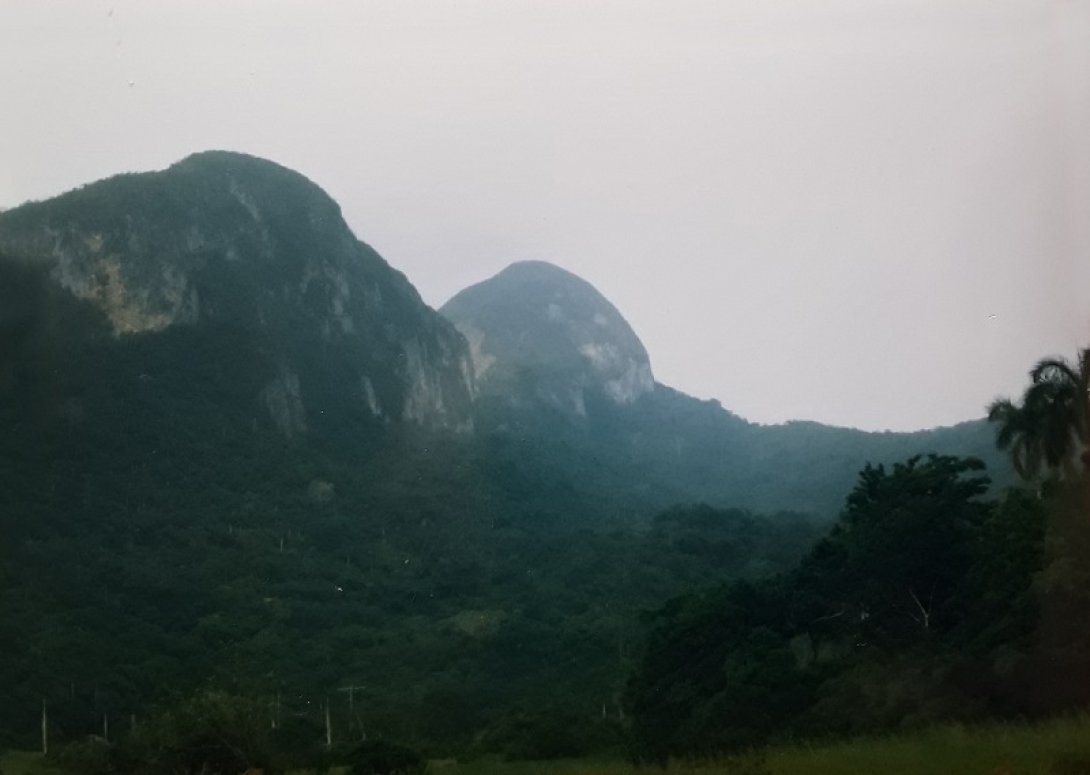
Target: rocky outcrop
[(537, 331), (227, 241)]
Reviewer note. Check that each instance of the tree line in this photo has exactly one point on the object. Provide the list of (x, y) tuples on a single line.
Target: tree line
[(928, 601)]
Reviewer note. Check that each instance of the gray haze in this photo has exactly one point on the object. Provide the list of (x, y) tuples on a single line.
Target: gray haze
[(866, 212)]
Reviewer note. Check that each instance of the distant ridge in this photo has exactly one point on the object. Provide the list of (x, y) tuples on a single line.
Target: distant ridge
[(564, 375)]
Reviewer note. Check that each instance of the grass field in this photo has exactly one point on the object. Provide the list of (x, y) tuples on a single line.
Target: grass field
[(25, 763), (1054, 748), (1059, 747)]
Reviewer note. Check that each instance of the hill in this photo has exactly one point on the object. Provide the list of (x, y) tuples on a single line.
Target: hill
[(565, 381), (236, 253), (238, 453)]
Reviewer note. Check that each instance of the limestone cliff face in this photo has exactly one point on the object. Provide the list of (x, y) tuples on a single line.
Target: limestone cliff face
[(227, 241), (537, 331)]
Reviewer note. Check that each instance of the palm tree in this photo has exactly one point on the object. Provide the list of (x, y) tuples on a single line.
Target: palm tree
[(1052, 426), (1018, 435)]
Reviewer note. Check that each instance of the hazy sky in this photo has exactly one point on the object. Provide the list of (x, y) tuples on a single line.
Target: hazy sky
[(866, 212)]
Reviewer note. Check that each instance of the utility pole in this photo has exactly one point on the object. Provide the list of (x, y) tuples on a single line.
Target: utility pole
[(106, 727), (328, 727), (352, 717), (45, 729)]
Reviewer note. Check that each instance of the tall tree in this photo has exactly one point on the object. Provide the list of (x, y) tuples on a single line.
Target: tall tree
[(1051, 427)]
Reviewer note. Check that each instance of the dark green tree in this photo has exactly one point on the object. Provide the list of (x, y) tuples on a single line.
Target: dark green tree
[(381, 757), (212, 733), (904, 543), (878, 600), (1050, 429)]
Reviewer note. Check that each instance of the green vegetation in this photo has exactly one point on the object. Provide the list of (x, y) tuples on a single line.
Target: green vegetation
[(925, 603), (203, 574), (548, 407), (158, 541), (1050, 429), (26, 763), (916, 608), (1059, 747)]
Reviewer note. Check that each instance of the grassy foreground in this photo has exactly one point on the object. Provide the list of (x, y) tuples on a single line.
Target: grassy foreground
[(1059, 747), (24, 763)]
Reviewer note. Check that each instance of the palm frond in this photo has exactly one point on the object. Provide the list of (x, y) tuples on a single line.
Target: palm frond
[(1051, 426), (1054, 369)]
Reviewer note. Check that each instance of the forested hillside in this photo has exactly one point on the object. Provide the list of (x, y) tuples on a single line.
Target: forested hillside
[(566, 385), (248, 472), (158, 542), (927, 602)]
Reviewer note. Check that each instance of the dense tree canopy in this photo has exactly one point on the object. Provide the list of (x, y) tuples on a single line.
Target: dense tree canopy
[(885, 620)]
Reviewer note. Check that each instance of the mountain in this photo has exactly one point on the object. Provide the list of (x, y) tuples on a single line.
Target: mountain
[(239, 454), (227, 294), (535, 326), (170, 525), (228, 247), (566, 382)]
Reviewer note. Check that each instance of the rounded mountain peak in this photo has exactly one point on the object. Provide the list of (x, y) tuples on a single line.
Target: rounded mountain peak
[(252, 173), (223, 241), (537, 325)]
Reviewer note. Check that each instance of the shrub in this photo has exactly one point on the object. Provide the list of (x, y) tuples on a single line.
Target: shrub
[(381, 757)]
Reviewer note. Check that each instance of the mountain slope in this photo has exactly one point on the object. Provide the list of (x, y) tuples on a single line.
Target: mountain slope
[(566, 383), (534, 322), (227, 244), (228, 462)]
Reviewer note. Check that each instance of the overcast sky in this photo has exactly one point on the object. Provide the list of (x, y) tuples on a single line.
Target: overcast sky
[(866, 212)]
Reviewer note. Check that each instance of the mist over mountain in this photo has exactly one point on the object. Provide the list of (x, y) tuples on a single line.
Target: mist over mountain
[(564, 376), (240, 452), (231, 287)]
